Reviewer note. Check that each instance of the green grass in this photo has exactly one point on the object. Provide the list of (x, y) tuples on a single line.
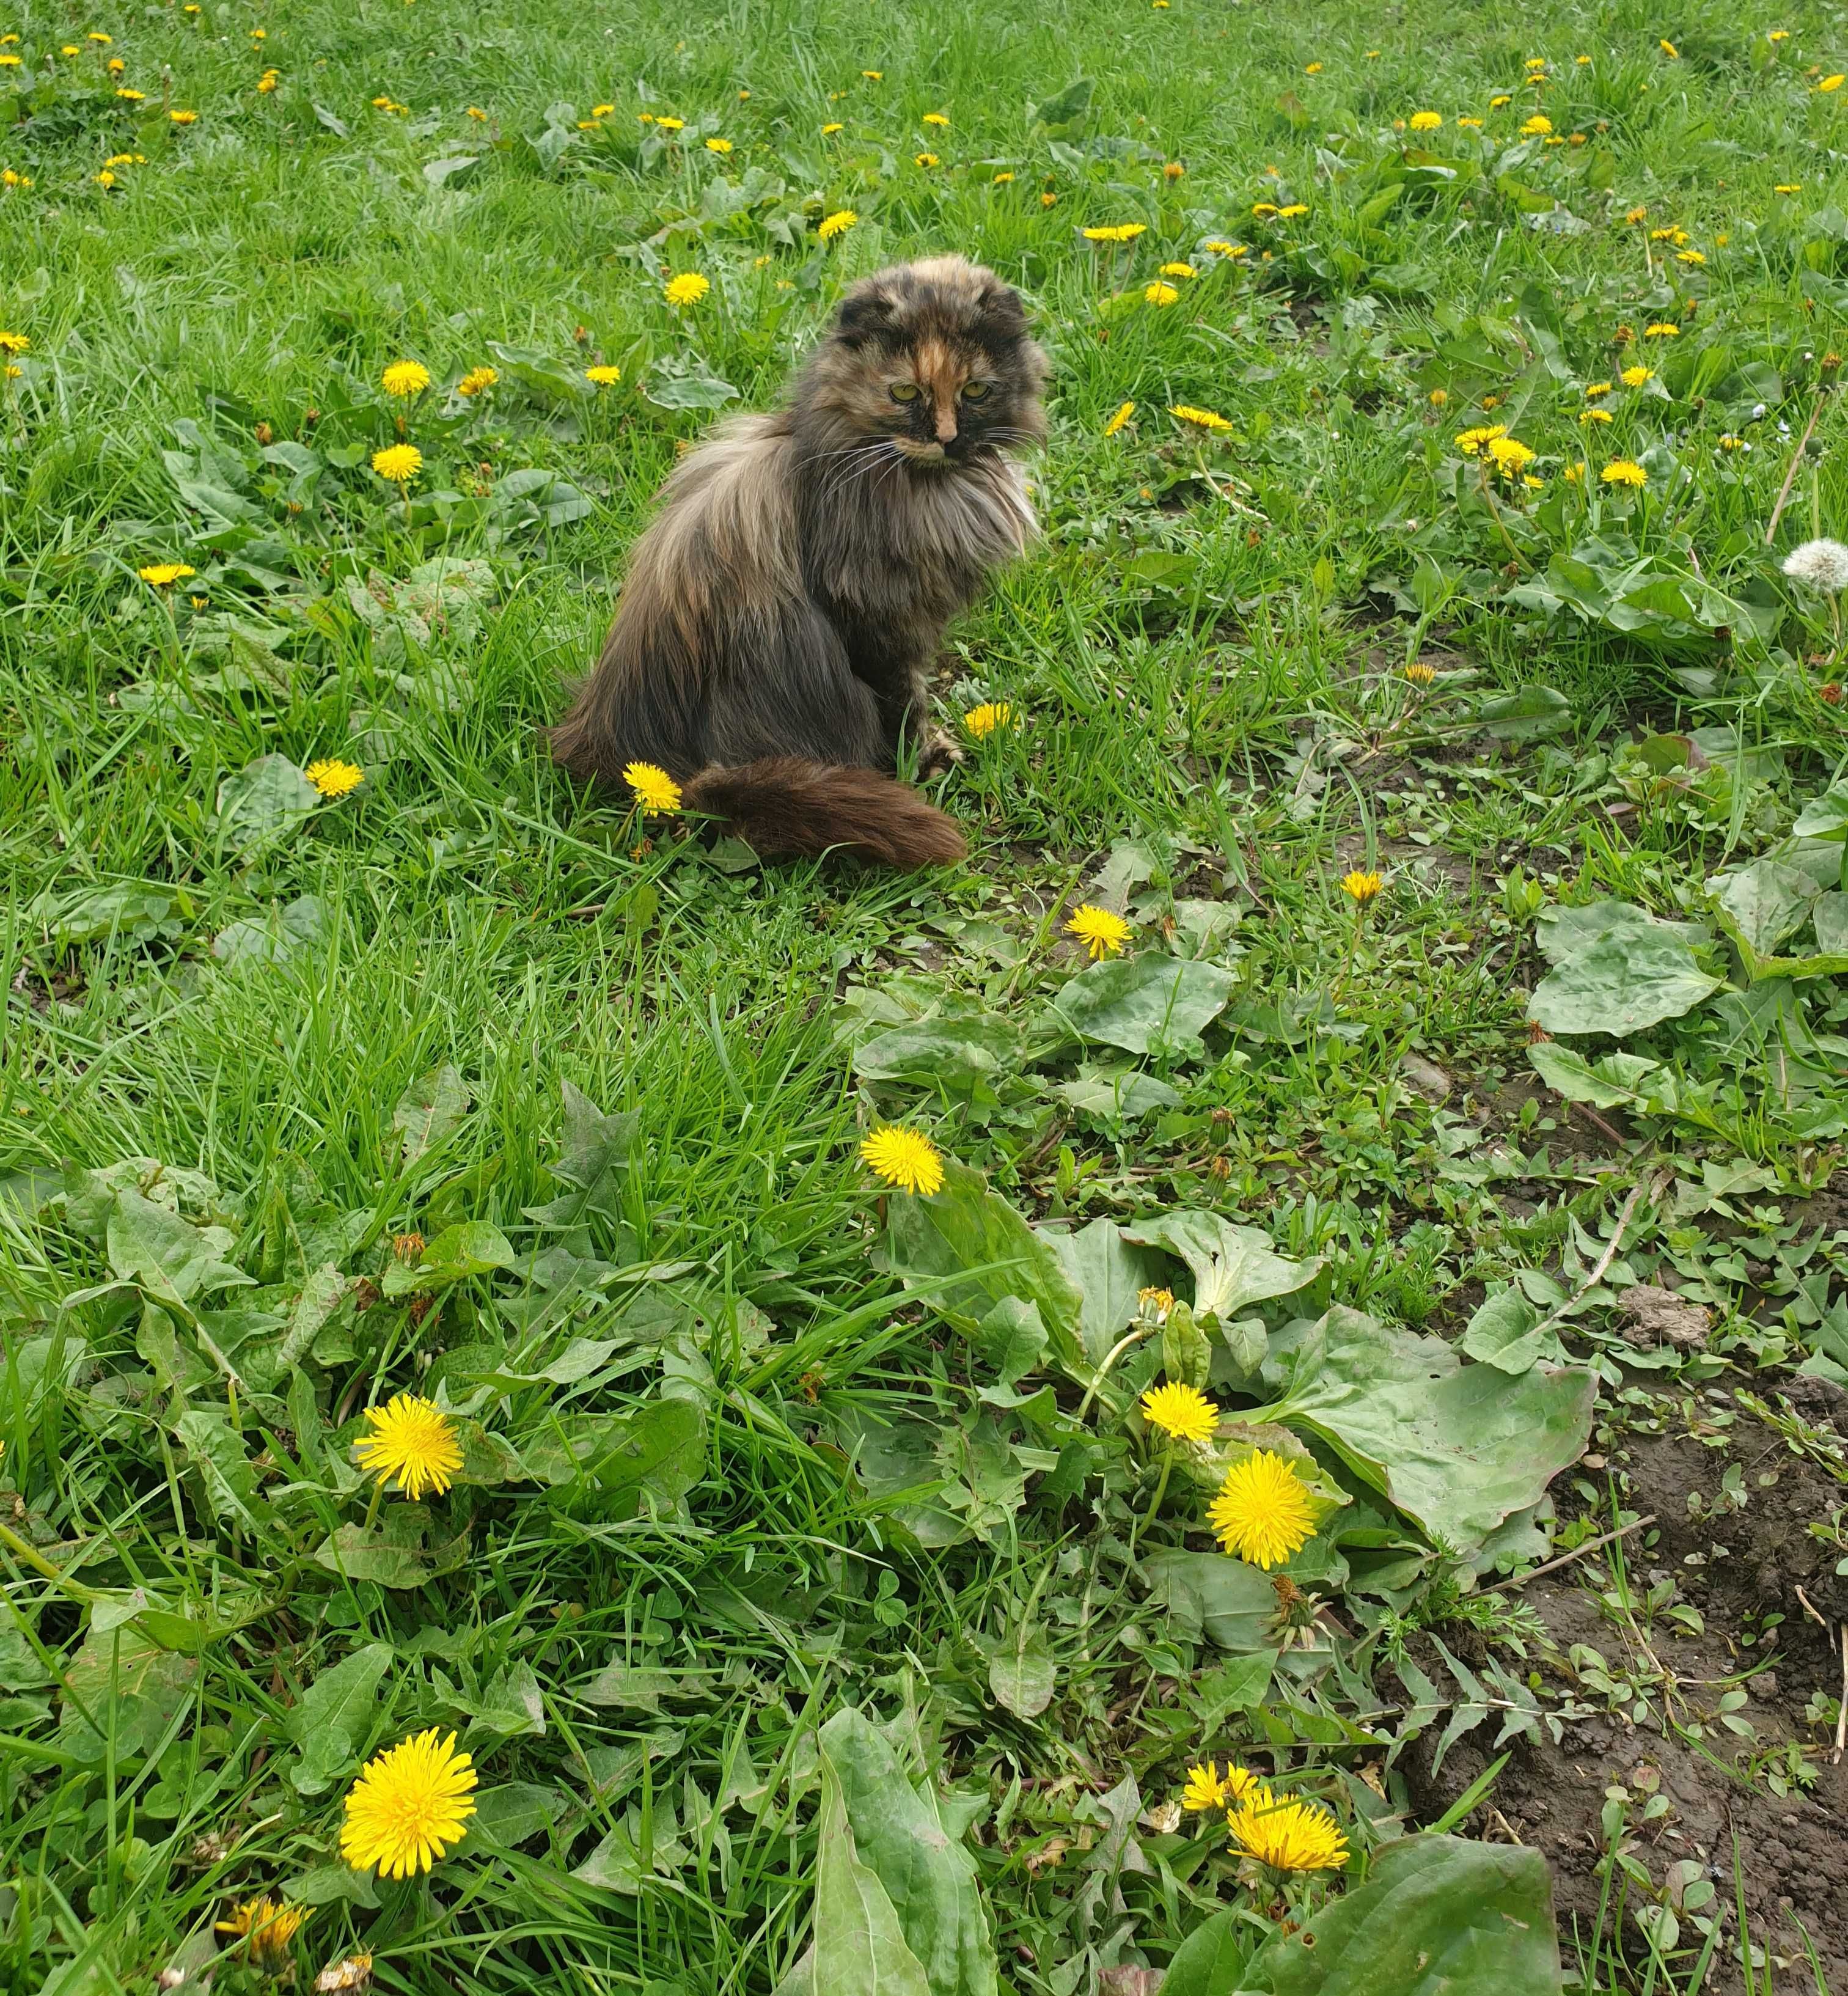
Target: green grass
[(1205, 659)]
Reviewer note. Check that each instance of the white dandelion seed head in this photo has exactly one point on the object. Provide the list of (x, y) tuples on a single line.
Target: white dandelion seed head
[(1822, 564)]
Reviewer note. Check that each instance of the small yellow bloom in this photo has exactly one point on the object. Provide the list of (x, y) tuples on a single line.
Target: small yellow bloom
[(1114, 231), (132, 96), (412, 1443), (163, 575), (333, 778), (1634, 377), (1778, 35), (106, 178), (1498, 103), (408, 1805), (905, 1159), (1221, 247), (1205, 1789), (720, 146), (1361, 886), (1669, 49), (1264, 209), (1689, 256), (404, 378), (874, 75), (1205, 419), (101, 40), (687, 289), (925, 160), (1537, 126), (1182, 1412), (1420, 673), (1122, 416), (266, 1929), (655, 790), (184, 117), (1294, 208), (1623, 471), (1594, 416), (935, 118), (1102, 932), (828, 131), (1425, 121), (605, 376), (1594, 389), (1049, 200), (476, 112), (1155, 1302), (1288, 1835), (1179, 270), (398, 463), (265, 84), (1788, 187), (1662, 329), (476, 380), (1469, 123), (1509, 455), (671, 124), (982, 721), (1160, 294), (1312, 69), (837, 224), (1263, 1514), (1832, 83), (1471, 440)]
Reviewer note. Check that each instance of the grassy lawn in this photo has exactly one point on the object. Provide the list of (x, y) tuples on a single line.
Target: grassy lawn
[(1409, 661)]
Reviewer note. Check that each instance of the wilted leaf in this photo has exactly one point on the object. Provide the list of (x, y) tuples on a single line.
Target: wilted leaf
[(428, 1109)]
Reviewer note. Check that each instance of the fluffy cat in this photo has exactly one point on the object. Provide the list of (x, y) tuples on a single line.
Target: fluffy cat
[(781, 613)]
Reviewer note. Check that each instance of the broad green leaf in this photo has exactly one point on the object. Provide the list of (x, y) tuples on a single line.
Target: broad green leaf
[(329, 1885), (1109, 1274), (272, 937), (1437, 1916), (334, 1716), (1624, 971), (1186, 1352), (1069, 103), (1020, 1672), (894, 1828), (320, 1297), (131, 1686), (973, 1249), (649, 1460), (1138, 1003), (429, 1109), (1761, 904), (473, 1247), (263, 800), (1234, 1267), (1211, 1960), (1456, 1447), (1606, 1084), (594, 1156), (1505, 1333), (216, 1453), (955, 1054), (1012, 1338), (1826, 816), (1120, 1093), (398, 1553), (1528, 714), (859, 1948), (515, 1812), (1231, 1604), (152, 1245)]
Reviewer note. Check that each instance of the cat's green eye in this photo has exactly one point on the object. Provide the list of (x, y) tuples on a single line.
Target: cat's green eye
[(973, 391), (905, 391)]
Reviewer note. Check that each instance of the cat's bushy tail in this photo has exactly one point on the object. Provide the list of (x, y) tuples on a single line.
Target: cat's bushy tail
[(783, 807)]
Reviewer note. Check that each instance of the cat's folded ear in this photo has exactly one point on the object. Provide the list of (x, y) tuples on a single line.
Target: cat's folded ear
[(1000, 307), (868, 312)]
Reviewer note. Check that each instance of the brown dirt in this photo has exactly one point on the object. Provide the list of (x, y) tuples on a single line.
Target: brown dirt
[(1748, 1563)]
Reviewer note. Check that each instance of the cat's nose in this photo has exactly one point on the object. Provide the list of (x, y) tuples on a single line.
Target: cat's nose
[(946, 425)]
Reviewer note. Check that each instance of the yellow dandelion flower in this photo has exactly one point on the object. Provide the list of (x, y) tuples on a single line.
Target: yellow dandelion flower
[(935, 118), (1361, 886), (1623, 471), (1002, 180), (671, 124), (1174, 170), (1689, 256), (1262, 1514), (1420, 673), (163, 575), (1160, 294), (1509, 455), (333, 778), (1778, 35), (1179, 270), (1471, 440), (1538, 126), (132, 96), (719, 146), (905, 1159), (1669, 49), (1156, 1302), (1594, 416), (1788, 187), (405, 378), (1634, 377), (982, 721), (1594, 389), (1049, 200), (265, 1928), (409, 1806), (874, 75), (655, 791), (1312, 69), (828, 131), (1221, 247), (837, 224), (1102, 933), (1469, 123), (1662, 329), (1425, 121), (476, 380), (1205, 1789), (1263, 208), (1114, 231), (604, 376), (1830, 83), (412, 1444), (1288, 1835), (184, 117), (686, 289), (1498, 103), (350, 1976), (1122, 416), (1183, 1412), (1203, 419), (1289, 212), (476, 112), (265, 84), (925, 160), (398, 463)]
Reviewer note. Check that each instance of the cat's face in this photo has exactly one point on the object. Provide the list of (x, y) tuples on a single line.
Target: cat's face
[(934, 358)]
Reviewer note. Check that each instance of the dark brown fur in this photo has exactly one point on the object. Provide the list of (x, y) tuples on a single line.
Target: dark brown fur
[(780, 615)]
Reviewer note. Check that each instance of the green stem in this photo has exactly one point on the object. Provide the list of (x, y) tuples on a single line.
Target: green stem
[(1110, 1358), (372, 1510), (1144, 1523)]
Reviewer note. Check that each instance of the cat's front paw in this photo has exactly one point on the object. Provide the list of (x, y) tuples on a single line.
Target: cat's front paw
[(938, 754)]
